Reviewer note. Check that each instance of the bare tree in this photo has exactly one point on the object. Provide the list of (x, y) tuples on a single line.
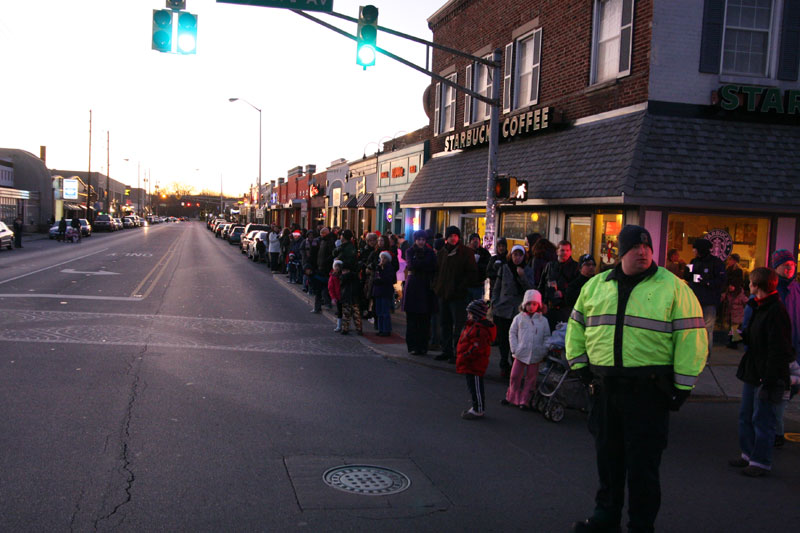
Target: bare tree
[(180, 189)]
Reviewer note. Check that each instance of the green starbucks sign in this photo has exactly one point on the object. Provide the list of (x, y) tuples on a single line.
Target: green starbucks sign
[(759, 99)]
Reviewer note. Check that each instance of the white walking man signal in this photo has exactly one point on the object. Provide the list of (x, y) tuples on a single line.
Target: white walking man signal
[(522, 191)]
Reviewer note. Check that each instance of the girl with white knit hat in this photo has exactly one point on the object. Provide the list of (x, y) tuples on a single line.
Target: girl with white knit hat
[(528, 340)]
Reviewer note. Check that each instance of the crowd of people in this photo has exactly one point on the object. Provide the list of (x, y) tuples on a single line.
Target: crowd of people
[(637, 335)]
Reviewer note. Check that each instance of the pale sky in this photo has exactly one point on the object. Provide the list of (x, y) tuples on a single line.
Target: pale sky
[(62, 58)]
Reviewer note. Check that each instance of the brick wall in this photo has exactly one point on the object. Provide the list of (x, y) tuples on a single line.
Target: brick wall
[(471, 25)]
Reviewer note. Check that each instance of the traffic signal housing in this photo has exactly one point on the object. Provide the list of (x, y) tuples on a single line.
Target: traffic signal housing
[(162, 30), (509, 188), (367, 35), (502, 189), (187, 33)]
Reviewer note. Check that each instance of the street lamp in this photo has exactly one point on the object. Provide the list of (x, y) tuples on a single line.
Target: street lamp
[(258, 192)]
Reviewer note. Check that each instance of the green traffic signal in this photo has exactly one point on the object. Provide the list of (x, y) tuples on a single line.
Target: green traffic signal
[(162, 30), (187, 33), (367, 34)]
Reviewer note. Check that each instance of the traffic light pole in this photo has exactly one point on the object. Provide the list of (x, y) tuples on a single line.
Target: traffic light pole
[(493, 102)]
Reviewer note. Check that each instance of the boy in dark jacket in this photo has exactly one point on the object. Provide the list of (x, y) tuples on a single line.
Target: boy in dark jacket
[(764, 369), (474, 348)]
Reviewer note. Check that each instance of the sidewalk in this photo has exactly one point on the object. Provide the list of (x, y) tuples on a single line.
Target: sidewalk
[(717, 382)]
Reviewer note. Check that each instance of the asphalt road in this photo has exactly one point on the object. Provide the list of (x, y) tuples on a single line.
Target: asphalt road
[(155, 380)]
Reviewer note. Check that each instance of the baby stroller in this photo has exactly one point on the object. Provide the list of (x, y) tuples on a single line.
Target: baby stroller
[(558, 387)]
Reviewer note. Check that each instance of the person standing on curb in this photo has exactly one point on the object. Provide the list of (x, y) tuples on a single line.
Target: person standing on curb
[(18, 232), (324, 267), (418, 298), (482, 258), (62, 229), (455, 272), (474, 349), (764, 371), (789, 290), (351, 286), (556, 279), (706, 277), (636, 337), (514, 279)]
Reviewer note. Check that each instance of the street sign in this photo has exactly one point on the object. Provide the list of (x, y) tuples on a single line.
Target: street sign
[(303, 5), (70, 189)]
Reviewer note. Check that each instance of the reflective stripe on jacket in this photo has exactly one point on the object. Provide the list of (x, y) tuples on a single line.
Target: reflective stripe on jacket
[(663, 329)]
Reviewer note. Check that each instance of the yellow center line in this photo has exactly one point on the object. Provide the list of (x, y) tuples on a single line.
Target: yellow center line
[(162, 265)]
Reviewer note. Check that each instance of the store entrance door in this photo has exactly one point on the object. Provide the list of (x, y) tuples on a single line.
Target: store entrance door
[(579, 233)]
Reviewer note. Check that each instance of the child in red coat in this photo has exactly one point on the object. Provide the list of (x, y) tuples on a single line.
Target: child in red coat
[(472, 354)]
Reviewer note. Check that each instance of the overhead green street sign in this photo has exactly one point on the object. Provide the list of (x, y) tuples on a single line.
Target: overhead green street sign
[(303, 5)]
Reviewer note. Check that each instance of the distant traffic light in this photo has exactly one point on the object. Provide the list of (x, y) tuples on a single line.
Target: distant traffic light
[(162, 30), (127, 190), (367, 34), (187, 33)]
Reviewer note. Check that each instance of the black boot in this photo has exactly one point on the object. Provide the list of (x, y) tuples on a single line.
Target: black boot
[(592, 526)]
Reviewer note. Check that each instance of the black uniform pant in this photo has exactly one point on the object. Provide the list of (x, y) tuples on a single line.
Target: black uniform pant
[(418, 327), (629, 420)]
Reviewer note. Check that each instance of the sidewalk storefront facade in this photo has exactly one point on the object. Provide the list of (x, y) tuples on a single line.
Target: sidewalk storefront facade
[(396, 172)]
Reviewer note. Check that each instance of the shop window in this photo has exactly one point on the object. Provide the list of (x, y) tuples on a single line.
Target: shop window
[(606, 239), (745, 236), (579, 233), (472, 224), (613, 31), (516, 225)]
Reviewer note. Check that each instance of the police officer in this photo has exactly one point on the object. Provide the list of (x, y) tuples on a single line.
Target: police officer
[(636, 336)]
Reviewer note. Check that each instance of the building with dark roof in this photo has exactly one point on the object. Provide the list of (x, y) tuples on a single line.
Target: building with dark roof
[(26, 189), (618, 112)]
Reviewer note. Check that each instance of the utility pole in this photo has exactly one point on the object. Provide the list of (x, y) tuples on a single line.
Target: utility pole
[(89, 175), (139, 185), (108, 172), (494, 139)]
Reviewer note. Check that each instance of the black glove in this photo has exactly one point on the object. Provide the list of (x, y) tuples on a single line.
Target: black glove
[(585, 375), (677, 398)]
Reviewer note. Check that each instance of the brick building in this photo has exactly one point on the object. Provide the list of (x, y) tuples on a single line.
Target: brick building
[(680, 115)]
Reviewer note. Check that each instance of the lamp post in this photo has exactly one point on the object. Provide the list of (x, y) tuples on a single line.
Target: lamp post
[(258, 191)]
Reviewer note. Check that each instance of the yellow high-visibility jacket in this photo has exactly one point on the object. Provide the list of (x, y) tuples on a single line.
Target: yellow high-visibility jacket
[(663, 329)]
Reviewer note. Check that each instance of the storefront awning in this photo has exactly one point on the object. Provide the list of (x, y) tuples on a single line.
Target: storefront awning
[(642, 158), (74, 207), (351, 202), (366, 200)]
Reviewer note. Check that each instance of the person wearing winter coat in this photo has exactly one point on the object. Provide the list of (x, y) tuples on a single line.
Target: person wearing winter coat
[(335, 290), (383, 291), (274, 249), (764, 371), (455, 272), (789, 290), (419, 301), (513, 279), (587, 270), (482, 258), (556, 279), (733, 303), (496, 261), (528, 337), (473, 351), (706, 277), (351, 297)]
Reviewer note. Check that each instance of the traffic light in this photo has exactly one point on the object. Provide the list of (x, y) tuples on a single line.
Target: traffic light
[(127, 190), (367, 34), (187, 33), (162, 30), (176, 4), (502, 188)]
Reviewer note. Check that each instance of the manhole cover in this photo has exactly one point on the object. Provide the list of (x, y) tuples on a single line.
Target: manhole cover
[(366, 480)]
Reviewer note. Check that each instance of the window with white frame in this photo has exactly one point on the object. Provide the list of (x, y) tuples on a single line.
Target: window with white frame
[(521, 71), (445, 106), (613, 32), (483, 83), (745, 48)]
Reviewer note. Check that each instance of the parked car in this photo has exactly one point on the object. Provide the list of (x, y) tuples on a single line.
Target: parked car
[(235, 235), (6, 236), (118, 223), (128, 222), (252, 252), (104, 223), (86, 228), (220, 229), (246, 238)]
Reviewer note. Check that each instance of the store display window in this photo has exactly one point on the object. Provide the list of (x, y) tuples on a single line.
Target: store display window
[(516, 225), (606, 238), (746, 236)]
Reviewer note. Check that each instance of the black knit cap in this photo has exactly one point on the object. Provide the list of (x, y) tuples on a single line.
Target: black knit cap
[(631, 236), (478, 309), (450, 231)]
